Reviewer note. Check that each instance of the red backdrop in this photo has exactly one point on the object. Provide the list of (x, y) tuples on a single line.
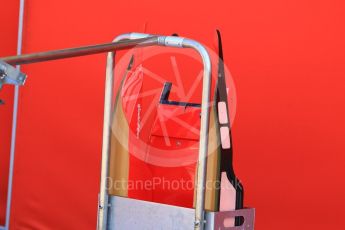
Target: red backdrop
[(8, 46), (287, 60)]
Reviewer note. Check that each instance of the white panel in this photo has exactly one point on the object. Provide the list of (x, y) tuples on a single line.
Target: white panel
[(126, 214), (222, 113), (225, 138)]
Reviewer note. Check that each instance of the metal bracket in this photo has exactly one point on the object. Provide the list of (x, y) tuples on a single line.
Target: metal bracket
[(217, 220), (10, 75), (127, 213)]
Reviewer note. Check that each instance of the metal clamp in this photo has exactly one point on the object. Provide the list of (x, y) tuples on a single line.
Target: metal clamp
[(10, 75)]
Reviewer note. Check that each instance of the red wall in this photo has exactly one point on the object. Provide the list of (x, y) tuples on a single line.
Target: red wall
[(8, 46), (287, 59)]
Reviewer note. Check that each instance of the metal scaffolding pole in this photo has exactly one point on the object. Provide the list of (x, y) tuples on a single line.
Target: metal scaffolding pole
[(80, 51)]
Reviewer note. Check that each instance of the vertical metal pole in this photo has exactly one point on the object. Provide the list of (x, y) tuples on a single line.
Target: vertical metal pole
[(205, 113), (203, 145), (109, 82), (14, 119), (103, 194)]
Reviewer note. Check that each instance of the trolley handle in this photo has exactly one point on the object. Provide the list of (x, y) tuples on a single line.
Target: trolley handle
[(169, 41)]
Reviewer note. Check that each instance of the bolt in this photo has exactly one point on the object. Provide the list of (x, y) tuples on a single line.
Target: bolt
[(197, 223), (21, 78)]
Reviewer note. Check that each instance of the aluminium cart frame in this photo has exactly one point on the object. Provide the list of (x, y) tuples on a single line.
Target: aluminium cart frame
[(202, 220)]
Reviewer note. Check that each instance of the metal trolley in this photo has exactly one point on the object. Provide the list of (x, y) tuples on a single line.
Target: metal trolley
[(125, 213)]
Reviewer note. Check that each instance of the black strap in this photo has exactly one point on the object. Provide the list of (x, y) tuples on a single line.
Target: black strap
[(227, 154)]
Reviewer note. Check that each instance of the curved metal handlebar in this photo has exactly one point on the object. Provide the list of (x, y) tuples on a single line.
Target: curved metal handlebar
[(170, 41)]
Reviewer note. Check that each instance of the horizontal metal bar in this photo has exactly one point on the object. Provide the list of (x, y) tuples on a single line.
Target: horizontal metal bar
[(80, 51)]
